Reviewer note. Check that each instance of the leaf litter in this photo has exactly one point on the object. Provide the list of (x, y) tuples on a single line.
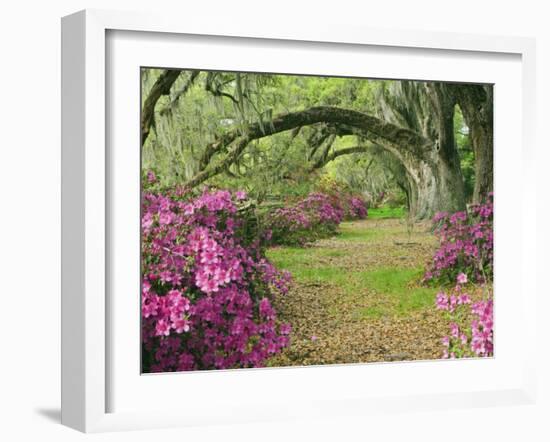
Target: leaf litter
[(349, 320)]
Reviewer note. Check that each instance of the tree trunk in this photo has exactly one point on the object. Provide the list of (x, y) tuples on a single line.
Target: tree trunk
[(432, 188), (433, 166), (450, 181), (476, 103), (435, 179)]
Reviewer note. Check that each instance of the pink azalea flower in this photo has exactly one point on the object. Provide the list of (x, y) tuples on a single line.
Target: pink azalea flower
[(462, 278), (188, 209), (240, 195), (284, 329), (165, 218), (165, 276), (453, 301), (442, 302), (162, 328), (181, 325), (454, 330)]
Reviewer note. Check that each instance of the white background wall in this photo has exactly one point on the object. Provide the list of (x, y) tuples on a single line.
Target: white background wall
[(30, 215)]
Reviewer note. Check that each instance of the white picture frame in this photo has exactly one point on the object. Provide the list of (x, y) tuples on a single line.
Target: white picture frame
[(86, 212)]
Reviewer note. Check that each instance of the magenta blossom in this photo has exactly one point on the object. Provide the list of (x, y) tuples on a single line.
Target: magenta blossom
[(240, 195), (476, 341), (465, 245), (316, 216), (206, 292)]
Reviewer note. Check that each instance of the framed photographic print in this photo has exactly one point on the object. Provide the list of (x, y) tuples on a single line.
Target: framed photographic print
[(282, 223)]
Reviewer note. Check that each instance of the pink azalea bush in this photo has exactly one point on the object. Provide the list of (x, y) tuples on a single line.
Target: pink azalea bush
[(465, 244), (207, 289), (355, 207), (340, 194), (311, 218), (475, 340)]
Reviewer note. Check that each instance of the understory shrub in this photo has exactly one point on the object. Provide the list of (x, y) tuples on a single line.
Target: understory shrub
[(311, 218), (465, 244), (314, 217), (353, 204), (207, 289), (355, 207), (470, 323)]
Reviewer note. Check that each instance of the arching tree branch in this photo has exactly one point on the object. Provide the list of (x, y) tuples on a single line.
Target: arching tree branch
[(371, 128), (161, 87), (321, 162)]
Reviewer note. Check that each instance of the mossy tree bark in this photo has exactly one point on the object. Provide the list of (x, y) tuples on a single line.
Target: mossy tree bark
[(161, 87), (434, 180), (476, 103)]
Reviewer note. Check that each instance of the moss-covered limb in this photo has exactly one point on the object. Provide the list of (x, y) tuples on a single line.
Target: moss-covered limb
[(371, 128), (161, 87)]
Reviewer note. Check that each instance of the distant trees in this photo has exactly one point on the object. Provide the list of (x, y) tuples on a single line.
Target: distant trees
[(238, 127)]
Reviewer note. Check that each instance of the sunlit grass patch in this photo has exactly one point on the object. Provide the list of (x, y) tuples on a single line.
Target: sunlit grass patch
[(387, 212), (377, 291), (294, 258), (390, 291), (399, 288)]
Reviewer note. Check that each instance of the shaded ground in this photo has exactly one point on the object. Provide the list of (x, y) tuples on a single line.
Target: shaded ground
[(356, 297)]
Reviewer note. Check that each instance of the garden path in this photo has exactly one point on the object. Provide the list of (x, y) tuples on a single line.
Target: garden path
[(356, 297)]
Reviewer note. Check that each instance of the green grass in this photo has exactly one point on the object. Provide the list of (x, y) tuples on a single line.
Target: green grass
[(398, 286), (393, 289), (295, 257), (387, 291), (387, 212)]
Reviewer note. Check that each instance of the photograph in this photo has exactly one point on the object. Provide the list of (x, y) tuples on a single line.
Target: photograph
[(233, 222), (305, 220)]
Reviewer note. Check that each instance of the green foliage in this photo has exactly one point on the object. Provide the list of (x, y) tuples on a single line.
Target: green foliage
[(202, 108), (465, 152)]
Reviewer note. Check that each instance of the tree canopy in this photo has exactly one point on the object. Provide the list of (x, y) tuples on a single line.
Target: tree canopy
[(278, 134)]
